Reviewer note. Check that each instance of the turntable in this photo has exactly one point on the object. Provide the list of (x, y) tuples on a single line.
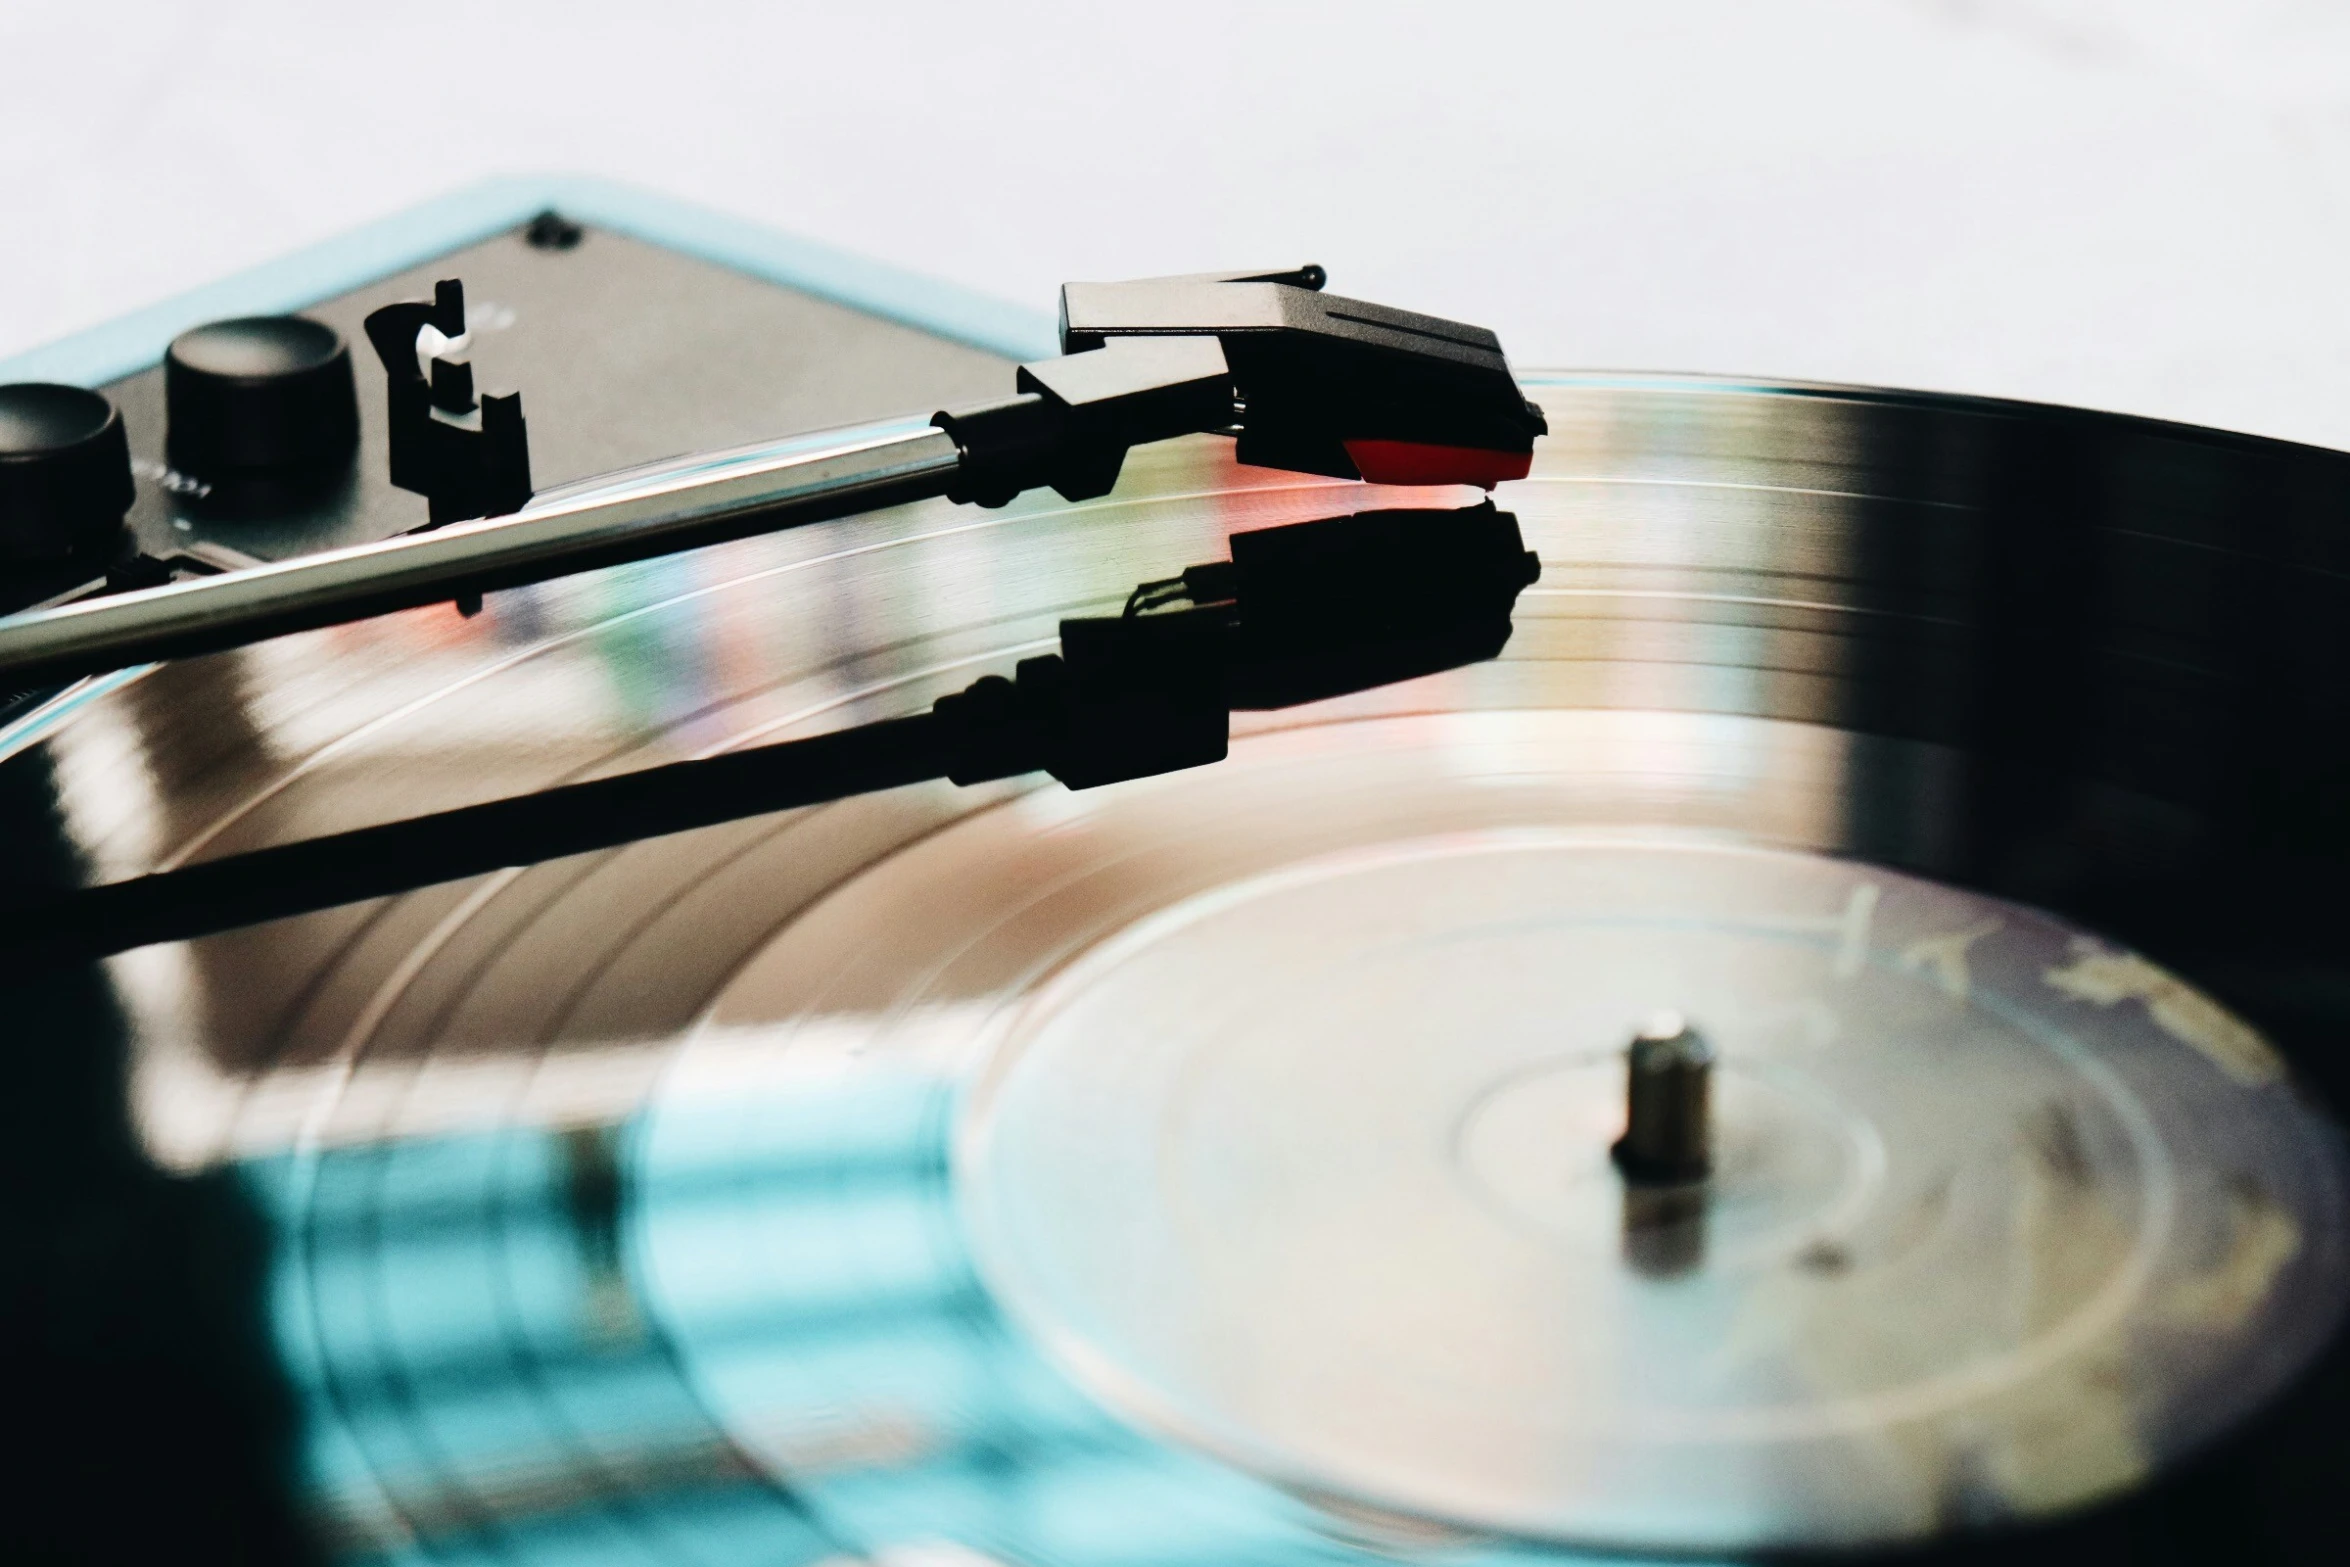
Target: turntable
[(626, 1031)]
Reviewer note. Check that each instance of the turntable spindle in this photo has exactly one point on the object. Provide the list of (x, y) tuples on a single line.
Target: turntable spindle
[(1668, 1131)]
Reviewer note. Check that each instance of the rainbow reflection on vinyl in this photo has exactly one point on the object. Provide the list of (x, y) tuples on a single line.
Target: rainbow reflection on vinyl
[(1217, 1167)]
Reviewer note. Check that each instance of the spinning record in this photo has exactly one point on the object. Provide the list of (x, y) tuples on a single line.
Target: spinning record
[(1225, 1166)]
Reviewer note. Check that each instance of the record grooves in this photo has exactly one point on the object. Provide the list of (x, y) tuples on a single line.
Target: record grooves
[(1222, 1165)]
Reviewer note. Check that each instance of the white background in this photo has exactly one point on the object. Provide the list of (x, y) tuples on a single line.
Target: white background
[(2139, 204)]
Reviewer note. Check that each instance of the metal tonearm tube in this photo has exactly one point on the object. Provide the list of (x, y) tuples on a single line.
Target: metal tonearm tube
[(652, 511)]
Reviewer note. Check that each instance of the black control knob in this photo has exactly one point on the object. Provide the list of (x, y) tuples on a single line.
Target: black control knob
[(261, 397), (65, 471)]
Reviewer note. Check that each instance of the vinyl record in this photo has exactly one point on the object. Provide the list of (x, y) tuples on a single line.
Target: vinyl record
[(1216, 1167)]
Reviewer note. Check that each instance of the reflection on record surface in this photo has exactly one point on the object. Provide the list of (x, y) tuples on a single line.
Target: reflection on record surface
[(1215, 1167)]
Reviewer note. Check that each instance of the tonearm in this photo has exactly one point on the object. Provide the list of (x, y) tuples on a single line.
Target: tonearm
[(1303, 380)]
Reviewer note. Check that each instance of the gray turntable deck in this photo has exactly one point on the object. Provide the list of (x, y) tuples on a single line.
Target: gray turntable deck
[(623, 351)]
